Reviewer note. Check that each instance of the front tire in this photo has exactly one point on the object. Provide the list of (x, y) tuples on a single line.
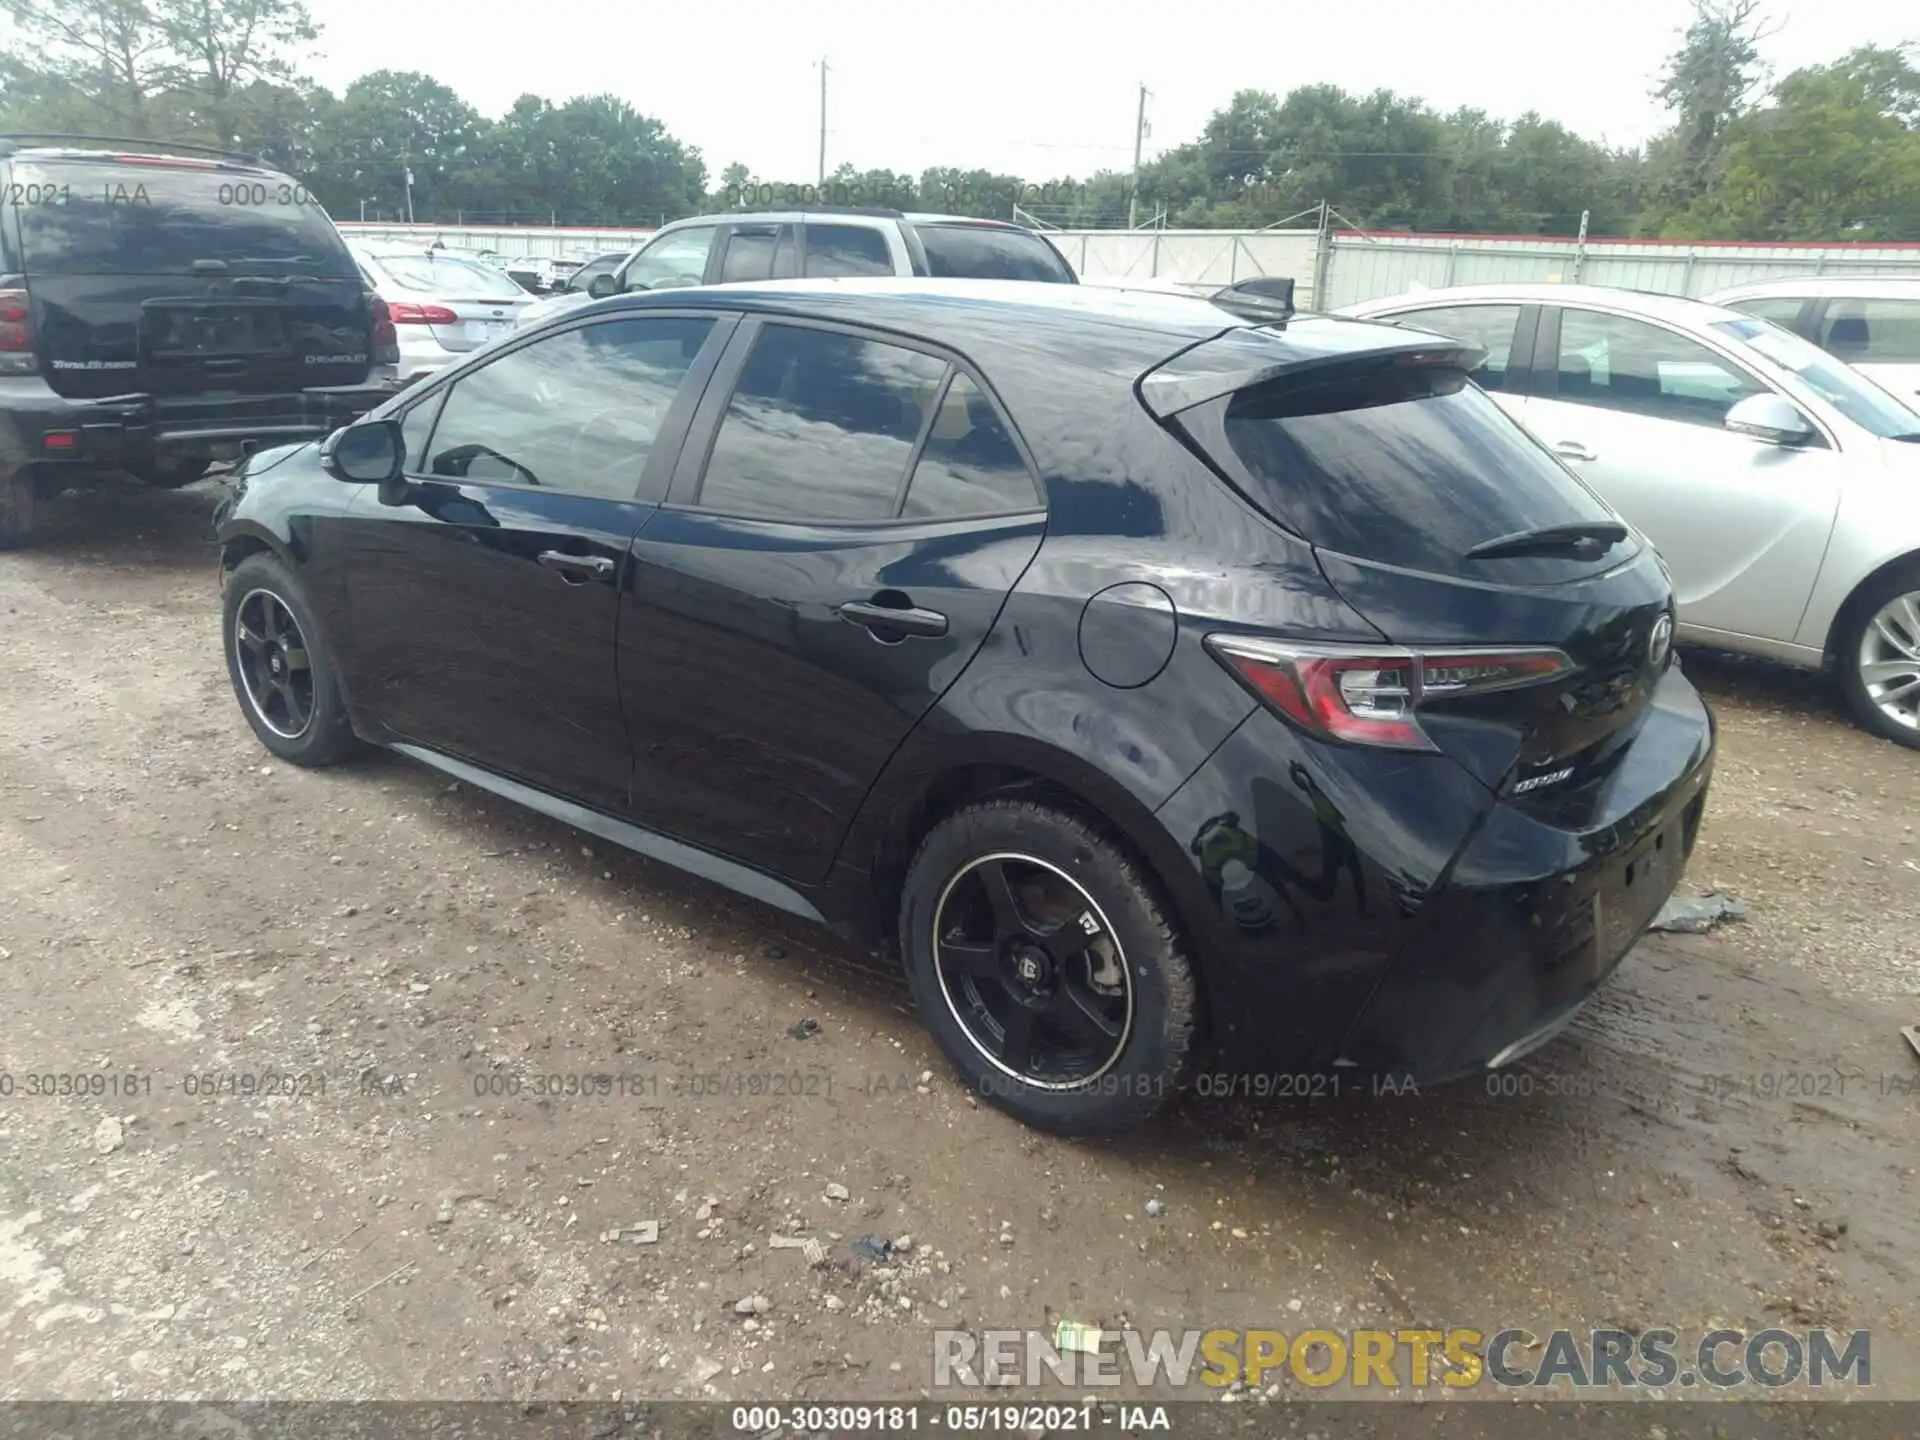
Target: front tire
[(1879, 657), (1047, 968), (281, 667)]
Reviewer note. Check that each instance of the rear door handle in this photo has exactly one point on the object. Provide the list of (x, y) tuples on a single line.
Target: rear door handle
[(882, 618), (1573, 450), (574, 569)]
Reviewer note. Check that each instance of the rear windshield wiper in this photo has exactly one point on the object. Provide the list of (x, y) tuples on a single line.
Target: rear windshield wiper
[(1586, 539)]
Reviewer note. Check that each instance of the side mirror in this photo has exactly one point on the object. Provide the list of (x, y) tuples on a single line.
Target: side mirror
[(1772, 418), (368, 453), (601, 286)]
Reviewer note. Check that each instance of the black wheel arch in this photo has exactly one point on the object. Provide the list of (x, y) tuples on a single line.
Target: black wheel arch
[(922, 789)]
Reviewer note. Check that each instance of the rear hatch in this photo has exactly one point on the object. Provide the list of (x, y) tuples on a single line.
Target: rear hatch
[(1525, 626), (170, 276), (462, 303)]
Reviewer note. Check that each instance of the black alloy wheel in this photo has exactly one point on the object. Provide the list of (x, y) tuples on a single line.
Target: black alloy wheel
[(275, 669), (1030, 969)]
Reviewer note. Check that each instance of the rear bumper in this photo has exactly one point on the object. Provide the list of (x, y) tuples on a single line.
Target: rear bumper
[(121, 428), (1452, 933)]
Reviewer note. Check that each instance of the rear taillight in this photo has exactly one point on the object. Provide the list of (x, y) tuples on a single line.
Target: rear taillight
[(405, 313), (1371, 695), (16, 333), (386, 341)]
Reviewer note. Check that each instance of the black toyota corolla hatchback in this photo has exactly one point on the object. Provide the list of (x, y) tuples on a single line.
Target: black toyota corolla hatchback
[(1170, 693)]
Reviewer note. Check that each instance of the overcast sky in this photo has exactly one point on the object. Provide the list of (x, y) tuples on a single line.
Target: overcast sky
[(1043, 88)]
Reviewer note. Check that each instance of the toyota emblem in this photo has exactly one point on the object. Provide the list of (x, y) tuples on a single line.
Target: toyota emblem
[(1660, 642)]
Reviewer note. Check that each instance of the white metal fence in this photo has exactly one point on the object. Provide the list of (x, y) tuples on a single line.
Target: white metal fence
[(1348, 266), (1362, 266)]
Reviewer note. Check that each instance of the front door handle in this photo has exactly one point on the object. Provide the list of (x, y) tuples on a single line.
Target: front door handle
[(575, 569), (1573, 450), (901, 622)]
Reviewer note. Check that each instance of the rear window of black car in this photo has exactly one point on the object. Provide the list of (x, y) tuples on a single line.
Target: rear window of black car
[(91, 217), (987, 252), (1406, 465)]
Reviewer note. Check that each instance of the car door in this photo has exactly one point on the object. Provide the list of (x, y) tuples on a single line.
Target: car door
[(1505, 332), (1638, 410), (844, 527), (485, 598)]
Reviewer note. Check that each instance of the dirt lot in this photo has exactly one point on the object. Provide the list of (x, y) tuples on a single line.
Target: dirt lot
[(1729, 1138)]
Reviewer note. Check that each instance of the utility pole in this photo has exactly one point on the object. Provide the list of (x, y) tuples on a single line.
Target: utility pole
[(1139, 139), (823, 122), (409, 172)]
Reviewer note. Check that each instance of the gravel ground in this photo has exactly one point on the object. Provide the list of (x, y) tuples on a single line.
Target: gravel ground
[(181, 912)]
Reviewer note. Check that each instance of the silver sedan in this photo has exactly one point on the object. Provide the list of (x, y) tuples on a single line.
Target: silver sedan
[(1780, 487), (442, 305)]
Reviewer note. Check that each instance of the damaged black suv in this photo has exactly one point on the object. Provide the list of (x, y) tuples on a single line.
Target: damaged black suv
[(163, 306)]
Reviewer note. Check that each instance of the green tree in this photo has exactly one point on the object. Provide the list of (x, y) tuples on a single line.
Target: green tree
[(1706, 83), (1834, 155), (87, 64)]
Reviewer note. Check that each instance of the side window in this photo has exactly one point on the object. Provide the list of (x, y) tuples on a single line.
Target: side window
[(970, 465), (1617, 363), (820, 427), (759, 252), (575, 412), (416, 426), (1782, 310), (673, 260), (847, 250), (1489, 327), (1872, 331)]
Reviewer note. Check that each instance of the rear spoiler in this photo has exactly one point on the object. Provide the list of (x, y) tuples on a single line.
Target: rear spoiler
[(1245, 357)]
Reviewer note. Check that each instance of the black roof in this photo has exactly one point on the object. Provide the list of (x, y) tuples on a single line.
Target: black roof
[(106, 147), (1122, 332)]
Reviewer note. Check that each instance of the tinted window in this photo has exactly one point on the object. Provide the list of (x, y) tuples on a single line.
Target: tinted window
[(970, 465), (90, 218), (1485, 327), (847, 250), (1406, 465), (759, 252), (673, 260), (820, 427), (1616, 363), (981, 252), (1835, 382), (577, 411), (415, 428), (1873, 332), (1782, 310)]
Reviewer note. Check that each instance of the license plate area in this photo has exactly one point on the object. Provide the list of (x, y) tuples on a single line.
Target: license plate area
[(214, 331), (1634, 891)]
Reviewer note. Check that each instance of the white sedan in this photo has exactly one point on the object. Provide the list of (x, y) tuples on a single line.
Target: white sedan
[(442, 305), (1780, 487)]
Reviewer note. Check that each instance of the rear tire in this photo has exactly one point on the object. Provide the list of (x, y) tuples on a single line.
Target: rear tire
[(293, 702), (1063, 997), (19, 492), (170, 472), (1879, 656)]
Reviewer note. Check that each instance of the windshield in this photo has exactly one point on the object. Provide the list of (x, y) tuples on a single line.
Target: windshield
[(446, 275), (1841, 386)]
